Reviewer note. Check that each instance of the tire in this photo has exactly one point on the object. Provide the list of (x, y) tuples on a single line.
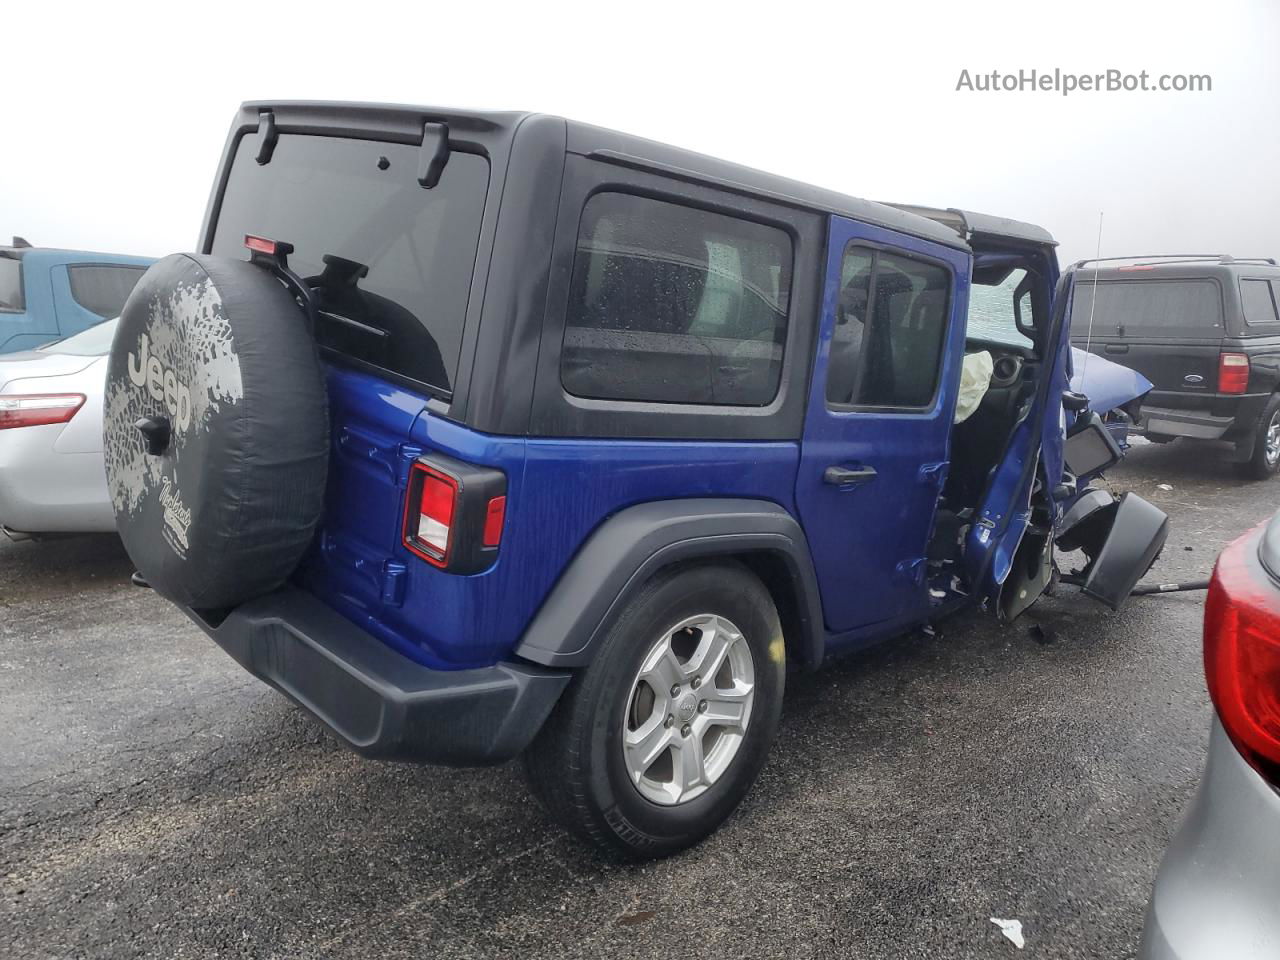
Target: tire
[(213, 364), (578, 766), (1266, 444)]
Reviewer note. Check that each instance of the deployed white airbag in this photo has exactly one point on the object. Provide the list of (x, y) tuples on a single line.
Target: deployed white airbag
[(975, 378)]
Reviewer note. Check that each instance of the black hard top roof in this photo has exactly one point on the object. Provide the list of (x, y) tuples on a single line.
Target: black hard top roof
[(403, 123), (1183, 267), (624, 148), (969, 224)]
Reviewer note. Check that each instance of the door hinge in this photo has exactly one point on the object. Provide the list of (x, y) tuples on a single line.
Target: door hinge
[(934, 474), (912, 571)]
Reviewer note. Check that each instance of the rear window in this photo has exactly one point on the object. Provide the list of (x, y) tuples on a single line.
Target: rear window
[(352, 204), (10, 285), (103, 289), (1152, 308), (672, 304)]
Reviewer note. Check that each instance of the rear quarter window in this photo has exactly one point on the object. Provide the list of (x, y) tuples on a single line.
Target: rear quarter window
[(10, 285), (101, 288), (675, 304), (1185, 309), (1257, 302)]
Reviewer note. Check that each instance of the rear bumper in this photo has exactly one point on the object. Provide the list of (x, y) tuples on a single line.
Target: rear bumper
[(1227, 418), (42, 491), (1218, 888), (378, 702), (1199, 424)]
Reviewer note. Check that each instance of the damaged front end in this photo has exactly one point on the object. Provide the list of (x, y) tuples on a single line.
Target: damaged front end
[(1119, 536)]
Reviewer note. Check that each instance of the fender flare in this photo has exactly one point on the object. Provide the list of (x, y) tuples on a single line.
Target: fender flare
[(631, 546)]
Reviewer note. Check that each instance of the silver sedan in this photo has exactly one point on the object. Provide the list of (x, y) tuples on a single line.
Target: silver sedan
[(52, 478), (1218, 891)]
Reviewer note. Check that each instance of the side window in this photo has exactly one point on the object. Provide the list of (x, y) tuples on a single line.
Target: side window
[(102, 289), (10, 285), (1255, 299), (673, 304), (845, 364), (890, 324)]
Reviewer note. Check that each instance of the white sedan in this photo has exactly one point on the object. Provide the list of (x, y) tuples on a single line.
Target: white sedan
[(52, 478)]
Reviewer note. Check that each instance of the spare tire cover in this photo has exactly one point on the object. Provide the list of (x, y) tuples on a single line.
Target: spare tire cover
[(219, 349)]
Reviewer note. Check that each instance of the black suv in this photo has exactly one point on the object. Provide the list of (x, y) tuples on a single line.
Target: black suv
[(1205, 330)]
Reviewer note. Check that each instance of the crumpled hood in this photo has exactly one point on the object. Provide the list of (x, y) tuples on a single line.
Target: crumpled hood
[(1107, 385), (40, 363)]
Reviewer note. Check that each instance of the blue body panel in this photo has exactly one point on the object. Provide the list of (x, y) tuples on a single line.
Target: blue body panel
[(49, 311), (558, 491), (869, 541), (1107, 385), (1036, 447)]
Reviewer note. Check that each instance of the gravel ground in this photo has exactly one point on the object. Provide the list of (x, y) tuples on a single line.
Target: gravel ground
[(155, 801)]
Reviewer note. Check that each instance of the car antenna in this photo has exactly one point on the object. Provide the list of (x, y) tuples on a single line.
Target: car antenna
[(1093, 305)]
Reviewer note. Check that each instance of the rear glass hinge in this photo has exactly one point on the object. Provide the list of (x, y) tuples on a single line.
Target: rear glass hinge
[(434, 154), (267, 136)]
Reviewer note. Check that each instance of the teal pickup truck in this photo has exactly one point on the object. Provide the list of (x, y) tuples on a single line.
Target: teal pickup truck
[(48, 294)]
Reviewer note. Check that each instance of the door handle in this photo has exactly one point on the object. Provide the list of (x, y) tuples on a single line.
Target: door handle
[(1116, 348), (848, 476)]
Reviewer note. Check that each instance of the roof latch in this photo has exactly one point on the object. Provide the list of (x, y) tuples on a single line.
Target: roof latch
[(434, 154), (267, 136)]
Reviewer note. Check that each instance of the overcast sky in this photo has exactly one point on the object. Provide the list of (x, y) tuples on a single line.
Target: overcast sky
[(114, 116)]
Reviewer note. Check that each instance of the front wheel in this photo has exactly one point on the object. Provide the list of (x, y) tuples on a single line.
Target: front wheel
[(656, 742), (1266, 443)]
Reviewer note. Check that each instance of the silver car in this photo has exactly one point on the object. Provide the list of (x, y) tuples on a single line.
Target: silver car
[(52, 478), (1218, 891)]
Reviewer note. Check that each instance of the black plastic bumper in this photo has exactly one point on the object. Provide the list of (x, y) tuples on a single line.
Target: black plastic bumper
[(1226, 417), (378, 702), (1199, 424)]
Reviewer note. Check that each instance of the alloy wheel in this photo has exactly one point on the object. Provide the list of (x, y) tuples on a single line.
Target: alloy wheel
[(688, 710)]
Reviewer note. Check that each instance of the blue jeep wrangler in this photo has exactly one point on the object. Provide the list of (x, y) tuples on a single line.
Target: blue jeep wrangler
[(48, 294), (484, 435)]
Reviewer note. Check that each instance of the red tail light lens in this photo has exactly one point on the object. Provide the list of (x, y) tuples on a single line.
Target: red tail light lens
[(1233, 373), (1242, 655), (429, 532), (38, 410), (454, 513)]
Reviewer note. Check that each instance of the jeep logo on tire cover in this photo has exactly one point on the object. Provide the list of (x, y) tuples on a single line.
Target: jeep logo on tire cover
[(162, 383), (183, 365)]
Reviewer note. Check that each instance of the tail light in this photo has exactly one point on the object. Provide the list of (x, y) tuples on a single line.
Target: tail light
[(1242, 655), (38, 409), (454, 513), (1233, 373)]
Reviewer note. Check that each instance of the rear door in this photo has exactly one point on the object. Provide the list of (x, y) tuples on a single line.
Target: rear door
[(1169, 330), (874, 450)]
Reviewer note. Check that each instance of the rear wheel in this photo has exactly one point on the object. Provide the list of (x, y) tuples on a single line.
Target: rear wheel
[(1266, 443), (659, 739)]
